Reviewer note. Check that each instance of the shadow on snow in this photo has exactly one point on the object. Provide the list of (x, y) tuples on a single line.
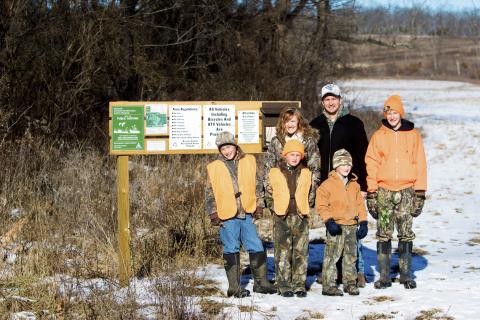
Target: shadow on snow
[(315, 258)]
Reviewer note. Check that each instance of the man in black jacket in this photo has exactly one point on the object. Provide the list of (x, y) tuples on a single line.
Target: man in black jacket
[(340, 130)]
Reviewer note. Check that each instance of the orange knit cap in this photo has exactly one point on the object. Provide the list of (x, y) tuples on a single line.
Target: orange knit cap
[(394, 103), (293, 146)]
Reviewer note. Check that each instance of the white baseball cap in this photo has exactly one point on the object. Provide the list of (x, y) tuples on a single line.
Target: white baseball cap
[(331, 89)]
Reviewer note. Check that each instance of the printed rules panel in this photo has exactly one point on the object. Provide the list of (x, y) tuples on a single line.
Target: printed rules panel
[(216, 119), (185, 127)]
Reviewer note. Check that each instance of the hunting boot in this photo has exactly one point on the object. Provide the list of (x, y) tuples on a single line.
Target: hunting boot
[(405, 263), (331, 291), (384, 252), (258, 264), (351, 289), (232, 268)]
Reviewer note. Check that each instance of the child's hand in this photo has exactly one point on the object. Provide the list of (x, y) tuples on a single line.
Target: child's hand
[(333, 228), (363, 230), (214, 219)]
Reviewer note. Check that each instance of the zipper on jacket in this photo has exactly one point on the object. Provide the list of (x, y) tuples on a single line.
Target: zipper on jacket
[(396, 156), (330, 149)]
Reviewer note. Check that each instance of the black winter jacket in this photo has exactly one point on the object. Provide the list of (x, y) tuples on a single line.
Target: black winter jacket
[(349, 133)]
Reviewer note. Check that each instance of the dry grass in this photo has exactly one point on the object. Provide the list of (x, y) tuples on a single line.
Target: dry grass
[(378, 299), (382, 298), (311, 315), (68, 198), (434, 57), (64, 198), (376, 316), (474, 242), (419, 251), (433, 314), (212, 308)]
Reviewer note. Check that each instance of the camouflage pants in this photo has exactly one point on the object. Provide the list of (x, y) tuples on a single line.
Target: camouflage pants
[(395, 209), (290, 235), (341, 246)]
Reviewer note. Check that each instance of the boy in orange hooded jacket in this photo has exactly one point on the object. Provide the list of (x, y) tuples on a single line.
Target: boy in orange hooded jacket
[(397, 181), (341, 206)]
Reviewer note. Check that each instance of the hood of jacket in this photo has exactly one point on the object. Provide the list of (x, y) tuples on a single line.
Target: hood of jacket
[(405, 125), (342, 111)]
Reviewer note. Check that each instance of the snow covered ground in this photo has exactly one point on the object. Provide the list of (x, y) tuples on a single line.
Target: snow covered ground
[(447, 263), (447, 260)]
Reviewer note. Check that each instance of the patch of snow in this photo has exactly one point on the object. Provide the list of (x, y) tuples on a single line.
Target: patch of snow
[(447, 270), (16, 213), (24, 315)]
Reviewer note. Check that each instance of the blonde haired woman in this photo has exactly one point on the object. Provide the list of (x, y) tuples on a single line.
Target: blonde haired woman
[(292, 125)]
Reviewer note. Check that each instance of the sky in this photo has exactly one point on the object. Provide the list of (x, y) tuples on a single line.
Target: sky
[(453, 5)]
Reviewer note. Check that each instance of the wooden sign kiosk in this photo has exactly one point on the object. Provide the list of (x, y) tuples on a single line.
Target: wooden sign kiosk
[(179, 127)]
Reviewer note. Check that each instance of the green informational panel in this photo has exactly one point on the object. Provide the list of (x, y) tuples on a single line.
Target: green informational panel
[(128, 128)]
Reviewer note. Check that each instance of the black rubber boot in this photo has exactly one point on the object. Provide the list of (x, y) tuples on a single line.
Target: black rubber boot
[(258, 264), (232, 268), (384, 253), (405, 264)]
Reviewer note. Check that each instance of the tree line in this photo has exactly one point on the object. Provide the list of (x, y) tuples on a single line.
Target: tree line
[(418, 20), (61, 61)]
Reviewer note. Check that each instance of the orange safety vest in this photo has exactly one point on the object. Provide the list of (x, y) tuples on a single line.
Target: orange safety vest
[(281, 193), (222, 186)]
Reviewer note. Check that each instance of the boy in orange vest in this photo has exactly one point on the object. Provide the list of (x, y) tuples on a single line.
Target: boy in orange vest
[(341, 206), (233, 195), (397, 182), (289, 186)]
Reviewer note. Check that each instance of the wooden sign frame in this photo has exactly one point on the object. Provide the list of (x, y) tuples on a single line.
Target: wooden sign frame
[(239, 106), (123, 214)]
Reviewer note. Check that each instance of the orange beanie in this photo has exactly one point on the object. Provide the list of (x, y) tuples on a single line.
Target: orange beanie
[(293, 146), (394, 103)]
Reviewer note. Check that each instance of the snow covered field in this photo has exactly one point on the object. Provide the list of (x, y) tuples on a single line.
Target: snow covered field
[(447, 263)]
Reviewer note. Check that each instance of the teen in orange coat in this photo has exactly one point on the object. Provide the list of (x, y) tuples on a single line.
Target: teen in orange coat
[(397, 181)]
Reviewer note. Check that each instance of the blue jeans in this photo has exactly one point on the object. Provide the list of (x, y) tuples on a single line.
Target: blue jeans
[(360, 262), (234, 232)]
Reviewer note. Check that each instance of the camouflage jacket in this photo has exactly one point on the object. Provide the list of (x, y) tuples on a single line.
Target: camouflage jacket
[(232, 166), (273, 158)]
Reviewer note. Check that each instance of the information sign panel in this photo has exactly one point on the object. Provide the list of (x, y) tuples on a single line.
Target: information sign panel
[(156, 119), (127, 128), (248, 127), (216, 119), (185, 127)]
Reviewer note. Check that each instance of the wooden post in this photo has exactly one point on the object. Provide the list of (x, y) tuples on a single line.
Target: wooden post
[(123, 217)]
